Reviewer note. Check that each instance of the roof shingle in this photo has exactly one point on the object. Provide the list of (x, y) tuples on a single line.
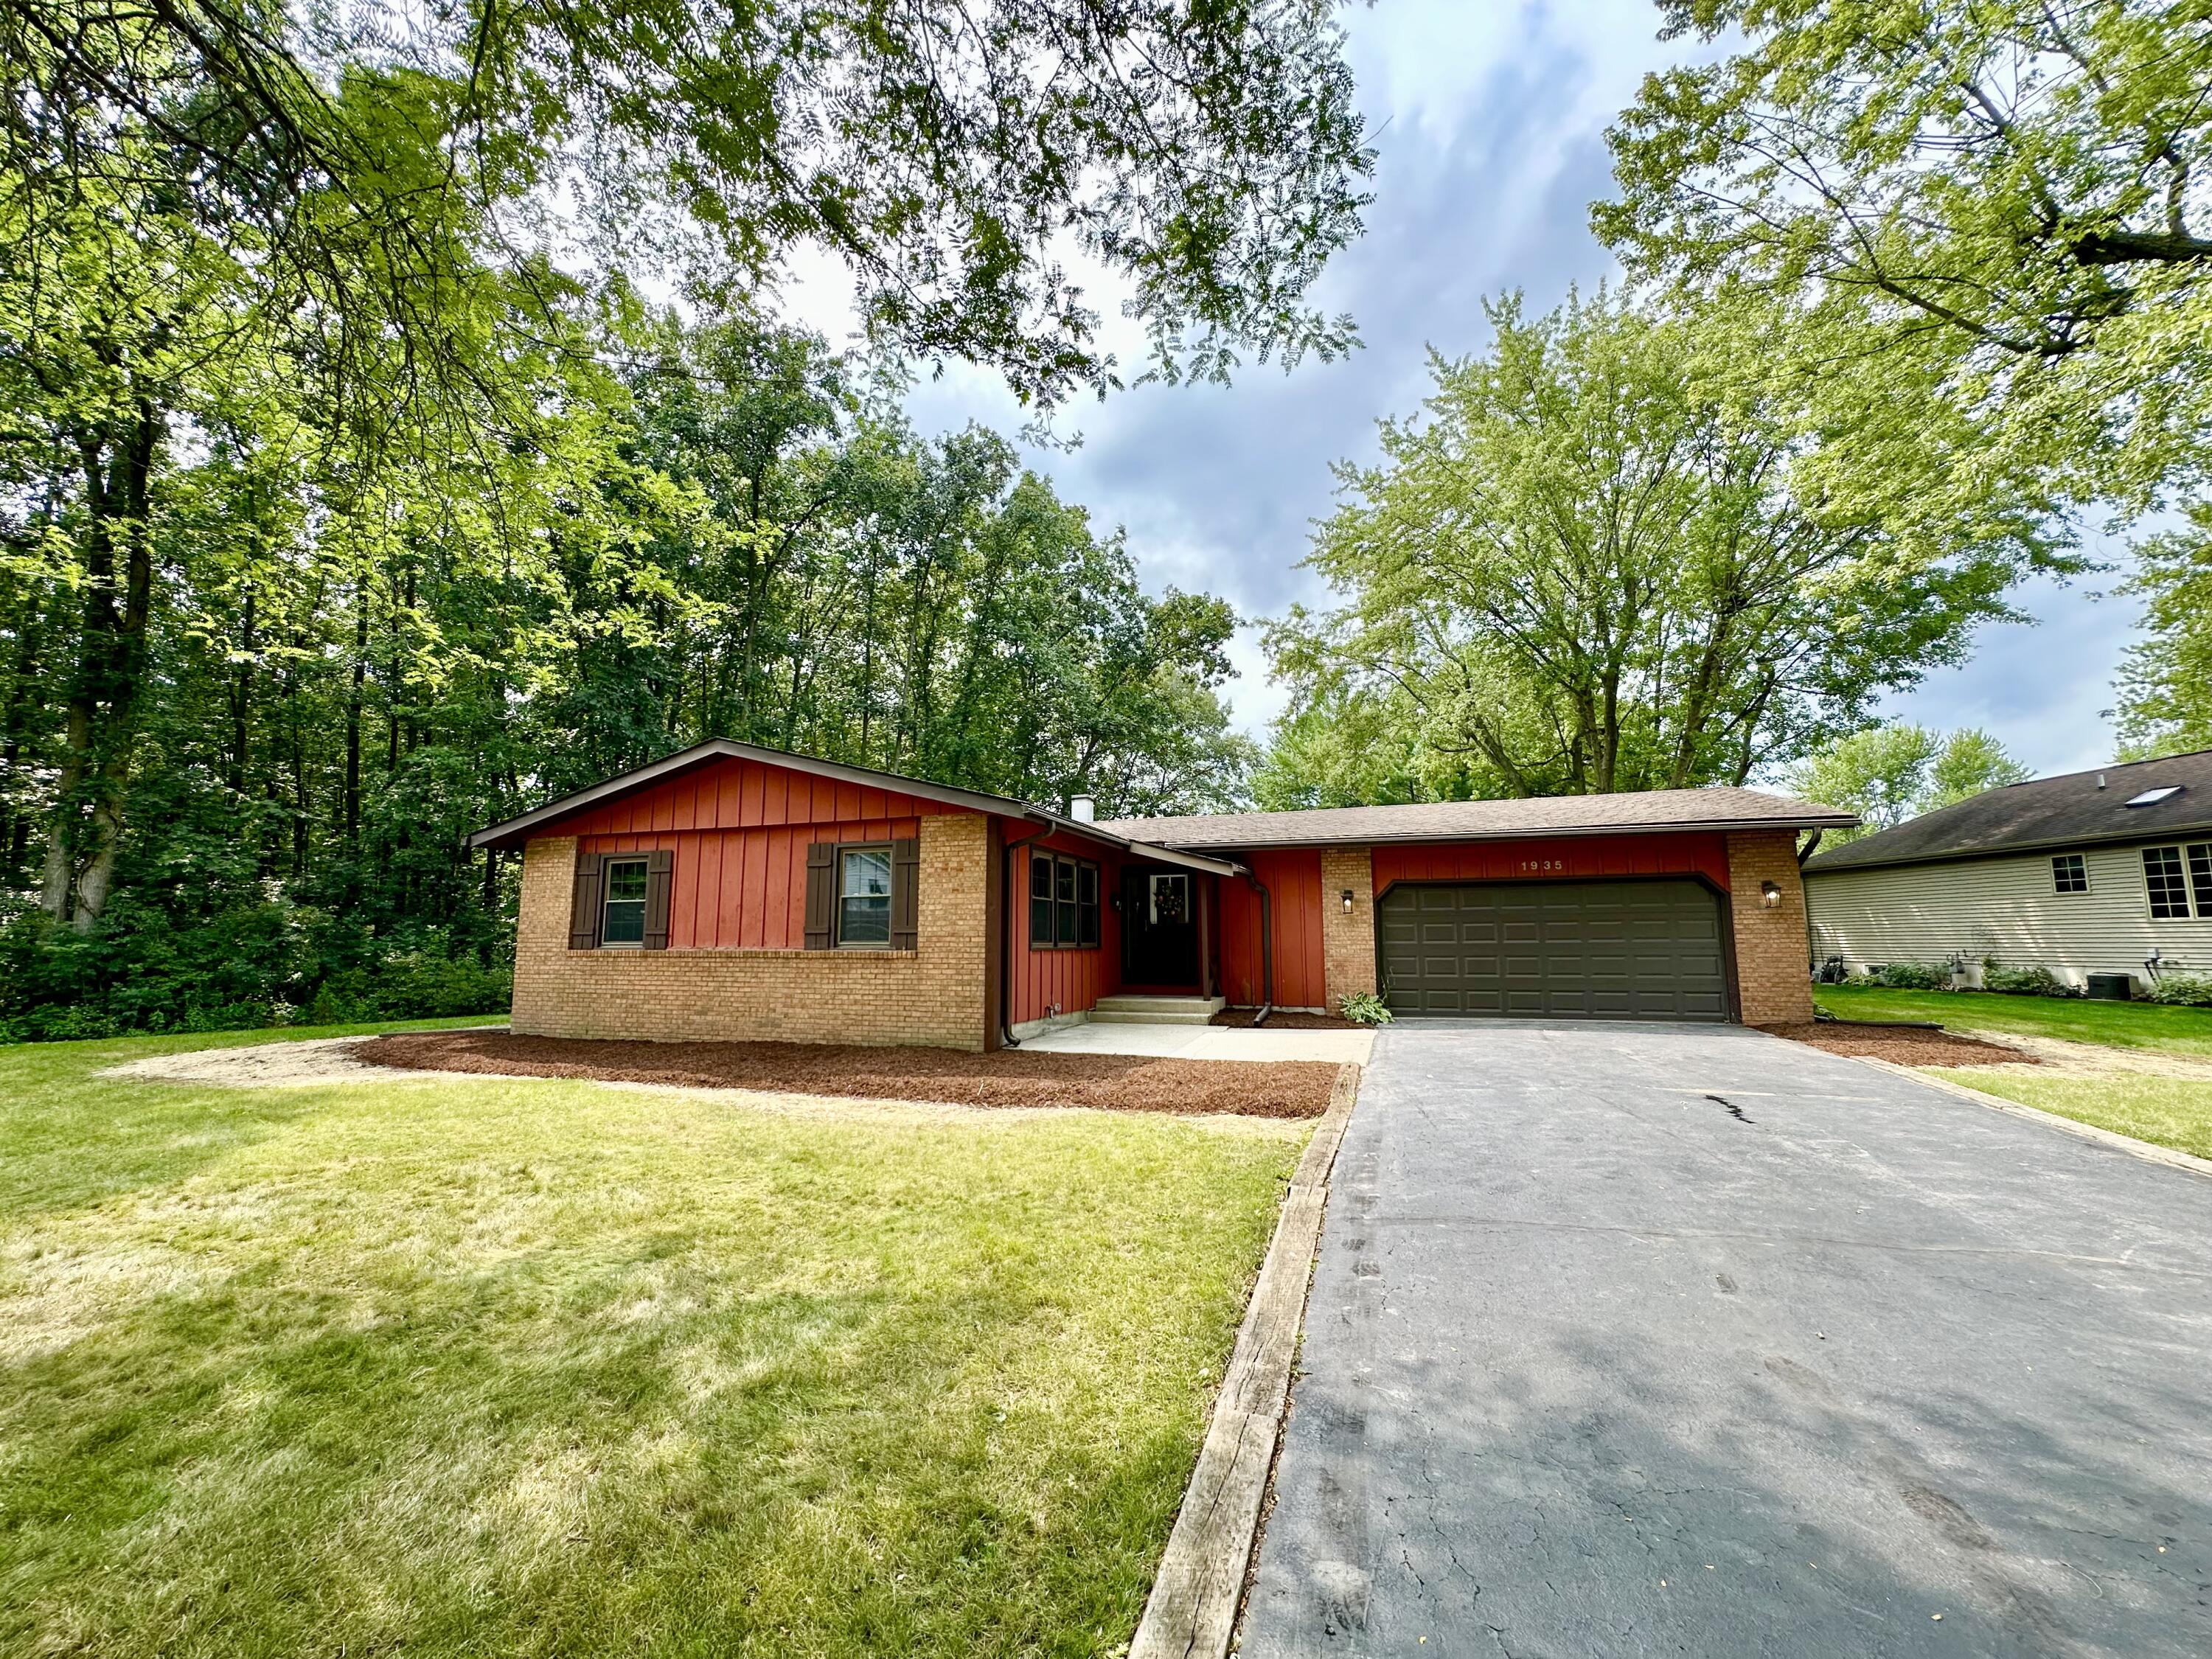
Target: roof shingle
[(2080, 807), (1480, 820)]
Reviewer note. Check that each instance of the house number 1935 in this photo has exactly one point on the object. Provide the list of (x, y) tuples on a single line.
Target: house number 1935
[(1528, 865)]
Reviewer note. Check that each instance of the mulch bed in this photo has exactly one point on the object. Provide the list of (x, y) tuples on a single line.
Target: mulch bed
[(1284, 1020), (1902, 1045), (1114, 1083)]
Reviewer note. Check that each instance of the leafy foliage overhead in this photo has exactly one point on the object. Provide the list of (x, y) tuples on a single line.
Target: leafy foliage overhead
[(2011, 198), (954, 156)]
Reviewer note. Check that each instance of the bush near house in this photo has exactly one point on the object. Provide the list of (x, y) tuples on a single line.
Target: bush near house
[(1913, 975), (2183, 990), (2023, 981)]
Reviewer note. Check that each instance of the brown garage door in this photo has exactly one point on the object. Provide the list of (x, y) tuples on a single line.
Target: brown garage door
[(1590, 950)]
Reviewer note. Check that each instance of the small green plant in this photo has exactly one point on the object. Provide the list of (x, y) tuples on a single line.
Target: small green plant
[(1364, 1008), (2022, 981), (1914, 975), (2184, 990)]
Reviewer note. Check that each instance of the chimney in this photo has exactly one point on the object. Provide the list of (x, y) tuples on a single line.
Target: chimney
[(1083, 809)]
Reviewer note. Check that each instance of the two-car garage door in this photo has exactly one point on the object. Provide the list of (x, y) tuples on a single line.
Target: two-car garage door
[(1593, 950)]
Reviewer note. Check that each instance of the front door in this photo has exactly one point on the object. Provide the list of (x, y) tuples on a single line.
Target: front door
[(1159, 928)]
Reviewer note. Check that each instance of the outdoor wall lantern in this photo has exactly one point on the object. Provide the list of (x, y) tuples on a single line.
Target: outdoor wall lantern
[(1769, 895), (1347, 898)]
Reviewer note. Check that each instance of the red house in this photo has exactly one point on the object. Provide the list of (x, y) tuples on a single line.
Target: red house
[(731, 891)]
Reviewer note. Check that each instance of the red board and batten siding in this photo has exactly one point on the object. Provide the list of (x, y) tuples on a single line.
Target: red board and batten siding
[(1062, 980), (740, 832), (1293, 880), (1560, 858)]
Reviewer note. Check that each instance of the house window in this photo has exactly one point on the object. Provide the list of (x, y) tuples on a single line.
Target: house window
[(1063, 903), (2068, 874), (2169, 897), (623, 919), (864, 898), (2200, 877)]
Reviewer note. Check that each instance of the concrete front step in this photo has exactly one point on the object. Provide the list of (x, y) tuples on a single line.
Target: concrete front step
[(1156, 1011)]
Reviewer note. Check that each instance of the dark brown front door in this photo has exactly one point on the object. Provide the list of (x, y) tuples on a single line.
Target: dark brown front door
[(1159, 928)]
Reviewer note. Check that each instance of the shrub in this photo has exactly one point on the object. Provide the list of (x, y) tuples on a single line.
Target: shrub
[(2187, 990), (1364, 1008), (2023, 981), (1914, 975)]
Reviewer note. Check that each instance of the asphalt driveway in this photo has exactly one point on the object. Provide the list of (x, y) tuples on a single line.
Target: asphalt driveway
[(1691, 1340)]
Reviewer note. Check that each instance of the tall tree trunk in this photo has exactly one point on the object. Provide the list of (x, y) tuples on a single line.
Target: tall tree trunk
[(103, 700)]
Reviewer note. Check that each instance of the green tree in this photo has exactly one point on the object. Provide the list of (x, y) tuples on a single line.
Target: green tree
[(1996, 214), (1592, 567), (950, 154), (1888, 774), (2166, 682)]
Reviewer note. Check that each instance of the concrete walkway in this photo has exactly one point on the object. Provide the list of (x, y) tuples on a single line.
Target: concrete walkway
[(1691, 1340), (1204, 1043)]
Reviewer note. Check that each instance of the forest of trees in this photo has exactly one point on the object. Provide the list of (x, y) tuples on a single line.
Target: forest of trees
[(351, 496), (354, 493)]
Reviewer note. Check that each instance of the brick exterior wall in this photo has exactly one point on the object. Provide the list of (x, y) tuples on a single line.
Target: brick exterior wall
[(1773, 979), (1347, 936), (932, 995)]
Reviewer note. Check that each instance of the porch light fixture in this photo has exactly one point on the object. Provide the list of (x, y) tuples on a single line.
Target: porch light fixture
[(1347, 898), (1769, 895)]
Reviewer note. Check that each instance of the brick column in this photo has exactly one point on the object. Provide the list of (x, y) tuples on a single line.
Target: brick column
[(1772, 958), (541, 932), (1347, 937)]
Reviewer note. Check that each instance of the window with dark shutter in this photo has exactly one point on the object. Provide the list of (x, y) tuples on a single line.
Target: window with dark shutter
[(821, 896), (584, 904), (864, 898), (659, 879), (906, 895)]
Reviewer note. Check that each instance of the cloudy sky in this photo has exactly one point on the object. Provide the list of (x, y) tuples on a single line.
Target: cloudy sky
[(1489, 123)]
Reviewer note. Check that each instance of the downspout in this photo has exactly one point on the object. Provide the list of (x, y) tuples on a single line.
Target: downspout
[(1266, 952), (1006, 1037)]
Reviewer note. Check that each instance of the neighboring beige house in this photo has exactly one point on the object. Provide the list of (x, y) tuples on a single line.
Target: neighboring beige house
[(2106, 872)]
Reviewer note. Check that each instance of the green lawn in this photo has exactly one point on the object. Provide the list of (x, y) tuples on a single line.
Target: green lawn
[(2172, 1111), (2115, 1025), (493, 1367)]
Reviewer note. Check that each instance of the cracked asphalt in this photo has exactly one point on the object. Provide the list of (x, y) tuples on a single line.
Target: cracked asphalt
[(1691, 1340)]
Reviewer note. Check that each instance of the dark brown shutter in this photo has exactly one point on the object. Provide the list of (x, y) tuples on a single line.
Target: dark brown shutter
[(659, 873), (583, 909), (820, 893), (906, 889)]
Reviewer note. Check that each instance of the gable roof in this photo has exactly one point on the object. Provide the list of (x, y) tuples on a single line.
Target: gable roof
[(515, 831), (1650, 812), (2062, 812)]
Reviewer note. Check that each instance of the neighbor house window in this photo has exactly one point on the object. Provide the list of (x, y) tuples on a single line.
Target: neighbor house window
[(1063, 903), (623, 921), (864, 897), (2162, 876), (2068, 874)]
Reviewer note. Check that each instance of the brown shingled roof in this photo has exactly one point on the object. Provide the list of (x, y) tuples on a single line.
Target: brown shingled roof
[(1478, 820)]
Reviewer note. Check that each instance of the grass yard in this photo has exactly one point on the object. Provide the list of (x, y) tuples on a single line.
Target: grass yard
[(2115, 1025), (2172, 1111), (525, 1367)]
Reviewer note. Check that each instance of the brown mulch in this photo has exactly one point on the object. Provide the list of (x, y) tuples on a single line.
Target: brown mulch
[(1283, 1020), (1902, 1045), (1114, 1083)]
